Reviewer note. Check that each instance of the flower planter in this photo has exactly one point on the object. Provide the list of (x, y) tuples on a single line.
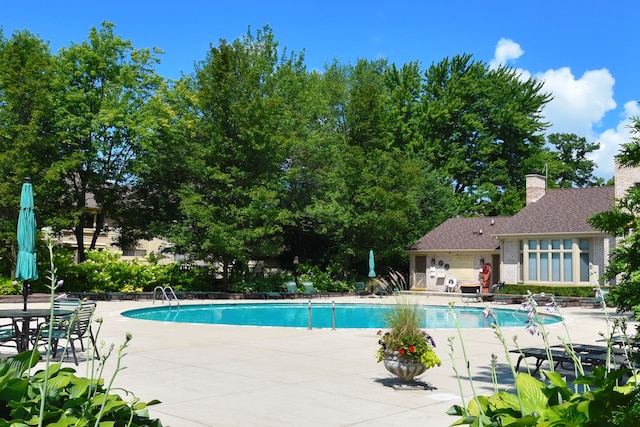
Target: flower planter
[(405, 371)]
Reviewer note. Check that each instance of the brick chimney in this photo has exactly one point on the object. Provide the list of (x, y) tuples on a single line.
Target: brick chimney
[(625, 177), (536, 187)]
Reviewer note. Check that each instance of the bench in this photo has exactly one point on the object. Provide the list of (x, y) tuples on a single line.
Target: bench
[(470, 293)]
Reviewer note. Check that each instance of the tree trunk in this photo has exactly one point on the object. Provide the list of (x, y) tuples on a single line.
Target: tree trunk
[(79, 233)]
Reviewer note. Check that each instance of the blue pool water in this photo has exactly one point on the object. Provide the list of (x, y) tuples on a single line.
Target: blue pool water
[(296, 315)]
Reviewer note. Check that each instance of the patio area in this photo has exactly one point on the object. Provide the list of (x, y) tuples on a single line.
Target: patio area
[(217, 375)]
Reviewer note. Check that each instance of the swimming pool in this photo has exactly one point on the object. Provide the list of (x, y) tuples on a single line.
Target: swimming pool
[(347, 315)]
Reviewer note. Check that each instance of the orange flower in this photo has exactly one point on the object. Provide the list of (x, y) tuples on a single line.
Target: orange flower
[(412, 349)]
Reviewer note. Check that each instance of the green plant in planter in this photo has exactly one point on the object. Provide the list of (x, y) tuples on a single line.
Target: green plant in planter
[(406, 341)]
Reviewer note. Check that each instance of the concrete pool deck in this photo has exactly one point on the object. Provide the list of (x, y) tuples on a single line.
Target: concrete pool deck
[(218, 375)]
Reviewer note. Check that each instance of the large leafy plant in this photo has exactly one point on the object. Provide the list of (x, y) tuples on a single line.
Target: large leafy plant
[(598, 398), (68, 399)]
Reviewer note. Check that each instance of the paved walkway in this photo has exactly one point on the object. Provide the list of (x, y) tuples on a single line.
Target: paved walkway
[(212, 375)]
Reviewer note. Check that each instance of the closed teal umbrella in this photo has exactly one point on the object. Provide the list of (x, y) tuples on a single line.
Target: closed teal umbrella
[(372, 265), (26, 269)]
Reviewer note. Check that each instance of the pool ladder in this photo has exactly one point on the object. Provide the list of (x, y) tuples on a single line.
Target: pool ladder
[(165, 295), (333, 316)]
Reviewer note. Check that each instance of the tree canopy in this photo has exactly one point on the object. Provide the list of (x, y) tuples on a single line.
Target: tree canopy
[(253, 157)]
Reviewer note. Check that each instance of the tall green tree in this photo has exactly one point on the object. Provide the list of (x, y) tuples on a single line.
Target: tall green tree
[(622, 223), (104, 90), (358, 184), (245, 97), (570, 166), (26, 131), (483, 131)]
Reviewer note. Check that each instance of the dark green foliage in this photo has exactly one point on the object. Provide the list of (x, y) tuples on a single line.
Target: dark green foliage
[(482, 130), (571, 168), (70, 400), (622, 222), (555, 404)]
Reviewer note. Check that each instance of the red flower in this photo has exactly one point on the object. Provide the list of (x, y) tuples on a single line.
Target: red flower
[(412, 349), (401, 350)]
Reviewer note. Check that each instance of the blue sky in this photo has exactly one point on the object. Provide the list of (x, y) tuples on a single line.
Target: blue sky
[(585, 51)]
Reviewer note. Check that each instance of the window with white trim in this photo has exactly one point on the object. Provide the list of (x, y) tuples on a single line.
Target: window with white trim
[(555, 260)]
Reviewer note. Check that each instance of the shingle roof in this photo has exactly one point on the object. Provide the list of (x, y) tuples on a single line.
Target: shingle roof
[(558, 211), (463, 234), (562, 210)]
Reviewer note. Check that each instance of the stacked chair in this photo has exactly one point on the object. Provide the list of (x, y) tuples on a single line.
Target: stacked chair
[(72, 328)]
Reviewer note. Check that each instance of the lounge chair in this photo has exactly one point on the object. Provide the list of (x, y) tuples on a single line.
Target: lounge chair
[(591, 302), (292, 289), (470, 293), (587, 354), (76, 328), (310, 290), (273, 295), (361, 289)]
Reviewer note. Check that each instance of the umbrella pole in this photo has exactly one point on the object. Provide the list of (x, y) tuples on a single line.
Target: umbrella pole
[(26, 286)]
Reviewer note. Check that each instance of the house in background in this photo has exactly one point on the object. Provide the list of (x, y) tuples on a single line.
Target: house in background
[(549, 242), (106, 239)]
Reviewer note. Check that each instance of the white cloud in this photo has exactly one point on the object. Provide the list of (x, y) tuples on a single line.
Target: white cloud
[(579, 105), (611, 139), (506, 50)]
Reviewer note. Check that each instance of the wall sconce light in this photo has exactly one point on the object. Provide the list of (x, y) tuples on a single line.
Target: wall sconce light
[(433, 261), (481, 261)]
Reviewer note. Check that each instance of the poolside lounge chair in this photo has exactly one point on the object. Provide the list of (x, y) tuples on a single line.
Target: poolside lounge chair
[(591, 302), (470, 293), (292, 289), (587, 354), (595, 302), (273, 295), (361, 289), (310, 290)]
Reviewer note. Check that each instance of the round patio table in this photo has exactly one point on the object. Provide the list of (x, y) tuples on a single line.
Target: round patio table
[(24, 318)]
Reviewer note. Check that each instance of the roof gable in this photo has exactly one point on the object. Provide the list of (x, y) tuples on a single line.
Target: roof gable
[(563, 210), (463, 234)]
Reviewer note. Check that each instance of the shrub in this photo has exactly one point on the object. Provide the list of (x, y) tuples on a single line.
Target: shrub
[(10, 287), (557, 290), (322, 281)]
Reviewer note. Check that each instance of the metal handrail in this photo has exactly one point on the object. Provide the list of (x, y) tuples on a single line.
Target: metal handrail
[(164, 294)]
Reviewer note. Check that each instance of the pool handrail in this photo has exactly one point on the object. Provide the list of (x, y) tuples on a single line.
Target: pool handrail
[(164, 294)]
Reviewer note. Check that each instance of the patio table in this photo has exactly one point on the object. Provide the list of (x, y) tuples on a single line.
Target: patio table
[(23, 318)]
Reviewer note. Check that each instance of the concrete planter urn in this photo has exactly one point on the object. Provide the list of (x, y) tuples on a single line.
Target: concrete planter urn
[(404, 370)]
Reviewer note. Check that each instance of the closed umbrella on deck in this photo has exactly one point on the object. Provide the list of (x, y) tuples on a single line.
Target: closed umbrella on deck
[(26, 269), (372, 264)]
